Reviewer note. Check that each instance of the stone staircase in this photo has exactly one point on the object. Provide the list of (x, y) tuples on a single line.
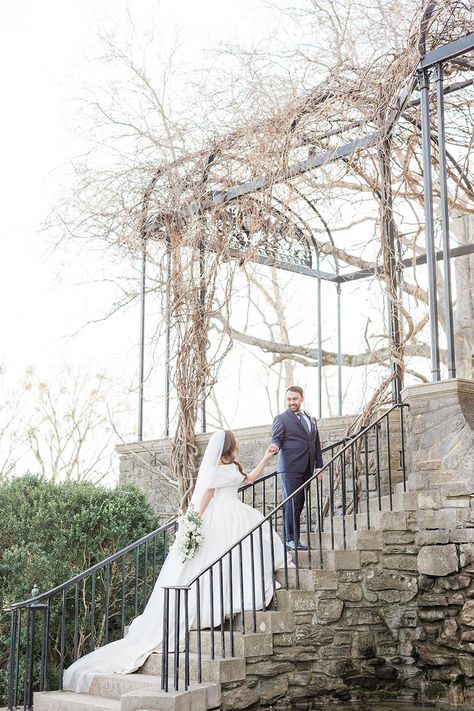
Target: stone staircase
[(416, 517), (420, 514)]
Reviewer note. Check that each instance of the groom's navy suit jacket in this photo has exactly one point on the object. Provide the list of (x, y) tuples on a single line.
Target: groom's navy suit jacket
[(300, 449)]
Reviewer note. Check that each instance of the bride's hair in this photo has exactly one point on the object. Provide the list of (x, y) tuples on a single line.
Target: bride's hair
[(228, 451)]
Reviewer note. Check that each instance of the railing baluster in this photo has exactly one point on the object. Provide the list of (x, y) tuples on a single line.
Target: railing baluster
[(17, 678), (177, 606), (402, 451), (241, 581), (355, 492), (285, 557), (321, 499), (11, 700), (198, 623), (137, 565), (262, 566), (389, 461), (165, 641), (62, 638), (377, 465), (186, 639), (252, 562), (331, 501), (122, 596), (45, 646), (342, 466), (272, 557), (145, 576), (93, 578), (107, 601), (320, 527), (29, 668), (308, 522), (296, 541), (211, 610), (366, 451), (153, 572), (221, 607), (231, 605), (27, 649), (76, 619)]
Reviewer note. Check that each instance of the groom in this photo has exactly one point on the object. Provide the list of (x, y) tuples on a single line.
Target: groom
[(295, 437)]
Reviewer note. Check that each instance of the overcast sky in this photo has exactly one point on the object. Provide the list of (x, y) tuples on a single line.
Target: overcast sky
[(49, 53)]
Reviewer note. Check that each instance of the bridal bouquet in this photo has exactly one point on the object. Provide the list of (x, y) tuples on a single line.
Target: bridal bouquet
[(189, 534)]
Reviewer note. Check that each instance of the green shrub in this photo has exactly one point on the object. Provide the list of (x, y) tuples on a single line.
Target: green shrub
[(50, 532)]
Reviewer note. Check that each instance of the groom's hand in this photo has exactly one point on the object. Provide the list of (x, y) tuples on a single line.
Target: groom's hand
[(319, 474)]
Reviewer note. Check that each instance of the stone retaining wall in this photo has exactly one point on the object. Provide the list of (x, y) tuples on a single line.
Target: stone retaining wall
[(147, 464), (381, 630)]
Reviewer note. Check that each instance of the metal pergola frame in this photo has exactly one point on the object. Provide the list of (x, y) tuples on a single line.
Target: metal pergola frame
[(431, 62)]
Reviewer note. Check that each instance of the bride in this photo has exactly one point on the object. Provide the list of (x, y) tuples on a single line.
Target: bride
[(225, 521)]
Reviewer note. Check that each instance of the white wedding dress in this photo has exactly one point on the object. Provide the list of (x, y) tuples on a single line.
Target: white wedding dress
[(225, 520)]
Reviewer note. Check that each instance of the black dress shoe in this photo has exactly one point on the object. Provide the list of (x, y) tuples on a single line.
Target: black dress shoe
[(291, 546)]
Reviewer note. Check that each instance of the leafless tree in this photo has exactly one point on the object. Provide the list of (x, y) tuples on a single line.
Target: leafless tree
[(166, 189)]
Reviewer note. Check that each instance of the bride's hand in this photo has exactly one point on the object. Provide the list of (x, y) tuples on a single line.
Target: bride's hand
[(269, 453)]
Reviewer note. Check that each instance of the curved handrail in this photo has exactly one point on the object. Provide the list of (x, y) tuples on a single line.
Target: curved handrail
[(89, 571), (303, 486), (123, 551)]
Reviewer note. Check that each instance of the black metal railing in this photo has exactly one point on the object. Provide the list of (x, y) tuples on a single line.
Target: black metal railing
[(52, 629), (359, 472)]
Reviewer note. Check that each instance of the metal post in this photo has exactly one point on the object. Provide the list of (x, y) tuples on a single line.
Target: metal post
[(388, 237), (443, 191), (167, 340), (320, 344), (339, 350), (141, 367), (429, 225), (202, 298)]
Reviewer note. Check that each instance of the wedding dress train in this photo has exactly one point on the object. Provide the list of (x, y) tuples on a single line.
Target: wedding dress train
[(225, 521)]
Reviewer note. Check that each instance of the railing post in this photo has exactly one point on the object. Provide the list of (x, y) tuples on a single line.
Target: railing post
[(12, 682), (429, 224)]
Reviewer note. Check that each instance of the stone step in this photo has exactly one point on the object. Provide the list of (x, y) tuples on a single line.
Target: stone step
[(308, 578), (386, 503), (245, 645), (218, 670), (69, 701), (198, 697), (268, 621), (327, 538), (114, 686)]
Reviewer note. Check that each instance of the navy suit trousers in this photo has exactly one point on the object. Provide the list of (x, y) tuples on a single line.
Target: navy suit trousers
[(290, 481)]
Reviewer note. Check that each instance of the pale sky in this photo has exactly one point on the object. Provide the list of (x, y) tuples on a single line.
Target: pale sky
[(49, 50)]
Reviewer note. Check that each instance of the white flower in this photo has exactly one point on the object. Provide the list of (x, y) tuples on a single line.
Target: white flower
[(189, 534)]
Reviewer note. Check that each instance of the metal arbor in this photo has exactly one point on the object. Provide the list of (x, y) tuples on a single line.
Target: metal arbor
[(292, 248)]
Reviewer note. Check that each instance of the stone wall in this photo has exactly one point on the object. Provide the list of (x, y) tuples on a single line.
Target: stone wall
[(379, 629), (440, 432), (147, 464)]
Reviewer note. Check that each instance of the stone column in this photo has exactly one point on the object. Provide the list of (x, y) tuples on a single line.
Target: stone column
[(440, 434)]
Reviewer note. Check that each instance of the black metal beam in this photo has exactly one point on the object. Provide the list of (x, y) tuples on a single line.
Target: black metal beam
[(406, 263), (448, 51), (303, 166), (287, 266)]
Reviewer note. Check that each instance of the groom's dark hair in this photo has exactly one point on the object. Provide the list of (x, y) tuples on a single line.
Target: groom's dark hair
[(295, 389)]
